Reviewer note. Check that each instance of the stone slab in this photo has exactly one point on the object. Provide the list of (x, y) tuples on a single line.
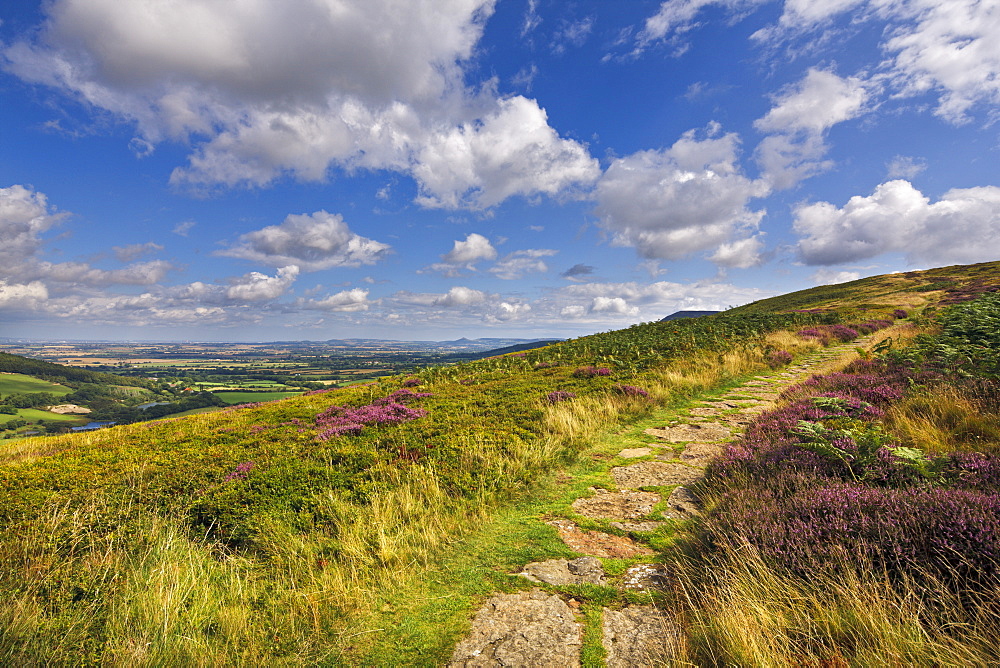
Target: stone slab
[(521, 630), (621, 505), (655, 474)]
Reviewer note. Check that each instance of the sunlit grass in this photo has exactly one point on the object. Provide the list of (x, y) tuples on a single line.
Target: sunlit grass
[(738, 611)]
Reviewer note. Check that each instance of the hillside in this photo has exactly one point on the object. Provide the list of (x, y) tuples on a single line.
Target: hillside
[(366, 524)]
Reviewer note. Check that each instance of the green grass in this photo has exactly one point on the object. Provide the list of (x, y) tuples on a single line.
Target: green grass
[(17, 383), (138, 544), (35, 414), (234, 398)]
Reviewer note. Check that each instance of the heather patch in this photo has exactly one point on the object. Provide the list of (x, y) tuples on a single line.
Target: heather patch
[(778, 358), (390, 410), (559, 395), (631, 391), (591, 371), (953, 534)]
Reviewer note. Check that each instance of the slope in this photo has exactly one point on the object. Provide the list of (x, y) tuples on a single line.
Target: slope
[(267, 533)]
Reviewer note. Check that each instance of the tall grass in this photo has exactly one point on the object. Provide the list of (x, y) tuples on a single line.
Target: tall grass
[(739, 611), (946, 418)]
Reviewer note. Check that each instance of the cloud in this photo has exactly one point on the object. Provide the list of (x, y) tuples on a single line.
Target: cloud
[(464, 255), (182, 229), (475, 247), (24, 216), (833, 277), (349, 301), (133, 251), (799, 119), (905, 167), (818, 102), (262, 92), (669, 204), (507, 311), (255, 286), (670, 22), (943, 47), (577, 272), (531, 18), (741, 254), (615, 305), (961, 227), (572, 34), (312, 242), (80, 273), (512, 151), (16, 296), (460, 296), (522, 262)]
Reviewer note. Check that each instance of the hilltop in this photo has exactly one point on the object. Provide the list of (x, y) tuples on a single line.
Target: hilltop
[(365, 524)]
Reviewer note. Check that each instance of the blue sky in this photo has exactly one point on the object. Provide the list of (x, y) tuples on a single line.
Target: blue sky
[(312, 169)]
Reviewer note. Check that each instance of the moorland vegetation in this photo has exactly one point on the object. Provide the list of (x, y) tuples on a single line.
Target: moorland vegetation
[(361, 524)]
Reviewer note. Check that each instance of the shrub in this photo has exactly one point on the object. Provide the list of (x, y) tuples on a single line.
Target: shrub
[(950, 533), (411, 382), (341, 420), (843, 333), (591, 371), (899, 314), (631, 391), (559, 395), (778, 358)]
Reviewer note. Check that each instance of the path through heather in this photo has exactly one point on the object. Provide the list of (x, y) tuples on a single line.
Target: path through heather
[(544, 626)]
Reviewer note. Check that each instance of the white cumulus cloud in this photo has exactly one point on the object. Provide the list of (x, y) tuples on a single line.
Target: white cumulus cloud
[(961, 227), (691, 197), (312, 242), (262, 90), (798, 121)]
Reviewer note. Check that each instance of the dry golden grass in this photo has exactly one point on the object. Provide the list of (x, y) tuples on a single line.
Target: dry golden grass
[(945, 418), (739, 612)]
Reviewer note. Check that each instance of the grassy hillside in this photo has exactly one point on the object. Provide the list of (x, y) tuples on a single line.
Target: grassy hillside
[(283, 532), (13, 383)]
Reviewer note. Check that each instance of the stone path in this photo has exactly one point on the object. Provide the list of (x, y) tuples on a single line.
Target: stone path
[(536, 628)]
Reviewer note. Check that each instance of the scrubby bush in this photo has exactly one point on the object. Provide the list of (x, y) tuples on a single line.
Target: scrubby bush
[(778, 358), (631, 391), (591, 371), (559, 395)]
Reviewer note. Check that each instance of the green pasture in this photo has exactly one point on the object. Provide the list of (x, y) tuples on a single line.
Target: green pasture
[(18, 383), (34, 414)]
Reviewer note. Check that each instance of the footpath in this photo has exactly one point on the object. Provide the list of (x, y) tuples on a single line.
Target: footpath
[(545, 627)]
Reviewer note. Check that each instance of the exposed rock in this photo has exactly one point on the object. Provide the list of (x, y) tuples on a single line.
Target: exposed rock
[(631, 453), (683, 504), (522, 630), (655, 474), (584, 570), (704, 411), (643, 577), (700, 454), (69, 409), (598, 543), (637, 526), (708, 431), (622, 505), (638, 637)]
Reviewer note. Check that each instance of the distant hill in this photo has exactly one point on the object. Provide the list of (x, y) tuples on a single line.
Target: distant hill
[(688, 314), (57, 372), (506, 350)]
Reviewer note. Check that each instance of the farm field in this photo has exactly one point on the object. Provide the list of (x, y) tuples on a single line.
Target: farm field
[(15, 383), (367, 525)]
